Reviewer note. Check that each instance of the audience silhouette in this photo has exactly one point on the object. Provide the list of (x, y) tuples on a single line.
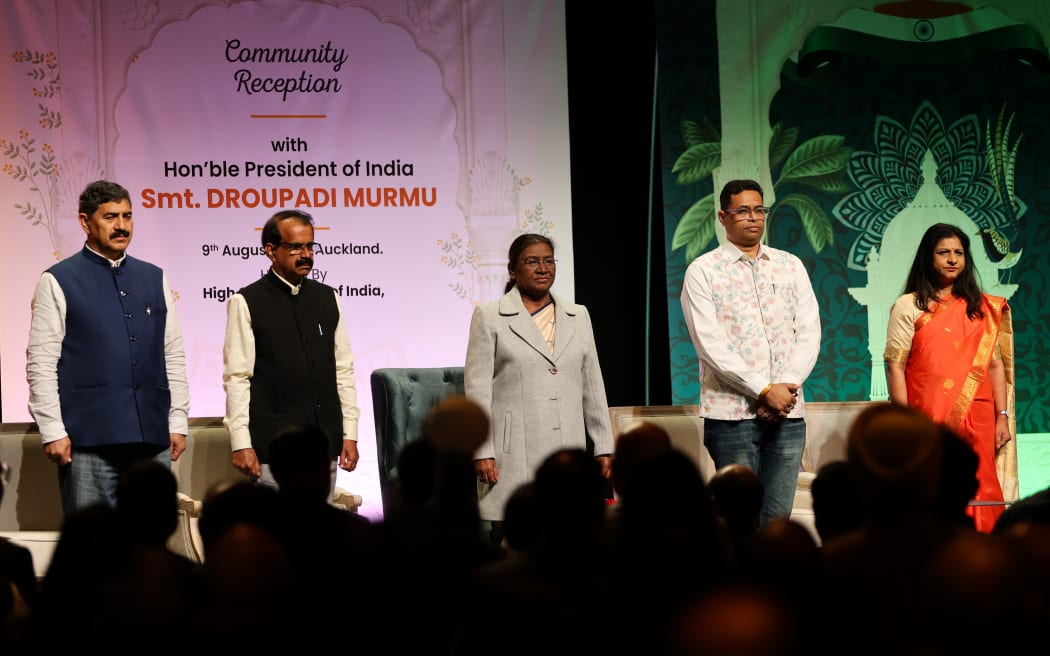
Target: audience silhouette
[(91, 545), (667, 548), (636, 444), (675, 567), (250, 585), (736, 491), (551, 598), (958, 482), (521, 521), (151, 583), (433, 540), (873, 574), (323, 541), (837, 504)]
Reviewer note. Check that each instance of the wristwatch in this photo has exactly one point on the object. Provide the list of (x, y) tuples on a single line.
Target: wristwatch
[(1004, 413)]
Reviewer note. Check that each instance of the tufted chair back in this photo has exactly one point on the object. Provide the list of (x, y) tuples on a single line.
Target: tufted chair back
[(402, 399)]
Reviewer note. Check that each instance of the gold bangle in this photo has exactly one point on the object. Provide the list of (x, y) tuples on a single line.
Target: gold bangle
[(765, 390)]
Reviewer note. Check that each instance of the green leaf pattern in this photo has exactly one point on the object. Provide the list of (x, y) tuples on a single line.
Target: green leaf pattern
[(814, 221), (819, 163)]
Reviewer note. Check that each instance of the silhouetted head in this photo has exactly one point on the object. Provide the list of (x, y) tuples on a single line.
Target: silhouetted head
[(416, 463), (639, 443), (837, 504), (570, 491), (958, 482), (456, 423), (242, 502), (737, 491), (300, 462), (521, 519), (147, 501), (895, 452)]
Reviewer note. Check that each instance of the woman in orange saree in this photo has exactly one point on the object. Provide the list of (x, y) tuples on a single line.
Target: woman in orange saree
[(949, 353)]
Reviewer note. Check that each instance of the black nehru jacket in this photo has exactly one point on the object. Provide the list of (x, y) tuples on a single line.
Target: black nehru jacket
[(294, 381)]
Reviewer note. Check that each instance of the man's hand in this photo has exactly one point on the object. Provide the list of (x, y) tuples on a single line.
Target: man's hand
[(349, 457), (60, 451), (765, 413), (178, 445), (780, 398), (247, 462)]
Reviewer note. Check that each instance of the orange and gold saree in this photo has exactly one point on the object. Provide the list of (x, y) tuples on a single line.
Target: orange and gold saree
[(947, 378)]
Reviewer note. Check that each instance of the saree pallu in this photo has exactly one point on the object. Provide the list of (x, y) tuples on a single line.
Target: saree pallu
[(947, 378)]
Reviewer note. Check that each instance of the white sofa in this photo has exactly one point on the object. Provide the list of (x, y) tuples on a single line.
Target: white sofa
[(31, 513), (827, 425)]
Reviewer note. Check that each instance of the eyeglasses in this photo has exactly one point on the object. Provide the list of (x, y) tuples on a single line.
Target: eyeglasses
[(758, 213), (295, 249), (532, 263)]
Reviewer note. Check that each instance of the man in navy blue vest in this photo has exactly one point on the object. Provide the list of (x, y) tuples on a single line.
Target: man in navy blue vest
[(286, 358), (105, 363)]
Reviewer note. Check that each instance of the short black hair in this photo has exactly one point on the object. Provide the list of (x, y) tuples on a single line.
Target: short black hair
[(99, 192), (271, 232), (734, 187)]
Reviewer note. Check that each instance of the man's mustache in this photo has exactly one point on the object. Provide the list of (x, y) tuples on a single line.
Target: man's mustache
[(119, 233), (305, 261)]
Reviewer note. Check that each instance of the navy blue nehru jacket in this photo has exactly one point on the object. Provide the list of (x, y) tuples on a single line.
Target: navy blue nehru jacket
[(112, 379)]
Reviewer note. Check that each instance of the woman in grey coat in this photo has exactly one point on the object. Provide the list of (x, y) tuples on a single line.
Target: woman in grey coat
[(532, 364)]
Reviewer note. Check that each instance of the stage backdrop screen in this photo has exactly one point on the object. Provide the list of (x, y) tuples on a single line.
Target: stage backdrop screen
[(422, 137)]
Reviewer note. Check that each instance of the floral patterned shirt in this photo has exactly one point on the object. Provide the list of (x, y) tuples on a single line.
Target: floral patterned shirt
[(752, 322)]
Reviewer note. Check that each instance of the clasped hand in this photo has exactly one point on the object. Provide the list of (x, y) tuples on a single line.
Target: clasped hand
[(777, 402)]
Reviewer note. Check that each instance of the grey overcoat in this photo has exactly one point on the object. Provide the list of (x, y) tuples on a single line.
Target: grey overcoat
[(537, 402)]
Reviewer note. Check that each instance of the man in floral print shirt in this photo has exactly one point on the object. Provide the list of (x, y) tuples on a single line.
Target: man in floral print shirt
[(753, 318)]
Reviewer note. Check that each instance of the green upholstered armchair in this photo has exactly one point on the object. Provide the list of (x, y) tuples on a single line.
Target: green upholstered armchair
[(402, 399)]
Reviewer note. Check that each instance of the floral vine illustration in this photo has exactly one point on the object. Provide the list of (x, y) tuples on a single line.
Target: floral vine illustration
[(535, 222), (37, 167), (818, 163), (459, 255)]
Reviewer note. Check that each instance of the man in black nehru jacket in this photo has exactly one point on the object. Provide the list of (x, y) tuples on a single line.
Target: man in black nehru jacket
[(286, 357)]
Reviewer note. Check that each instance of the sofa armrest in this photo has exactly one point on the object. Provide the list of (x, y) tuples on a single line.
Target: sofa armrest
[(346, 501)]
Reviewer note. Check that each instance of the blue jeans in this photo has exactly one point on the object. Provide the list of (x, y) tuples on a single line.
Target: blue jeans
[(773, 450), (91, 477)]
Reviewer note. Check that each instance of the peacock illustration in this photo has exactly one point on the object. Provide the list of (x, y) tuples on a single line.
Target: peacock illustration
[(999, 249), (1004, 250)]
